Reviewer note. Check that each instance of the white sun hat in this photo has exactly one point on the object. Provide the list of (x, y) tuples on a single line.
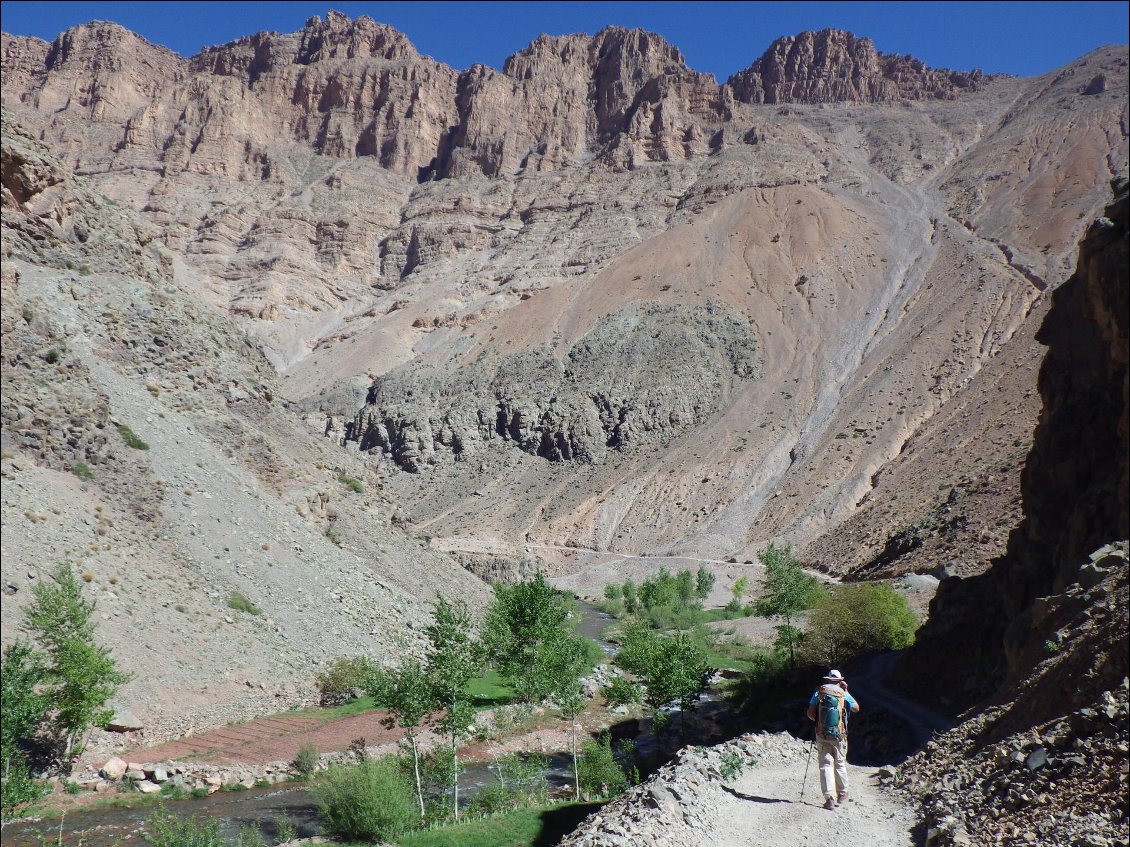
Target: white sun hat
[(834, 676)]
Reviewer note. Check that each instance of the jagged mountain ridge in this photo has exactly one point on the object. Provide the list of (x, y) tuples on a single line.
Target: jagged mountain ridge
[(875, 202)]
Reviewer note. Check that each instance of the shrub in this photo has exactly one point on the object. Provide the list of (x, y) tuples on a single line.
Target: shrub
[(22, 670), (352, 484), (52, 356), (525, 776), (284, 830), (732, 765), (168, 830), (131, 438), (343, 678), (859, 618), (249, 835), (599, 772), (241, 604), (83, 471), (370, 801), (622, 692), (492, 799), (306, 762)]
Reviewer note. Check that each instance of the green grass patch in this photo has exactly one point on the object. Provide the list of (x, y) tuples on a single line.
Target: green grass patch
[(535, 827), (489, 690), (82, 470), (332, 713), (241, 604), (131, 438), (352, 484), (724, 613)]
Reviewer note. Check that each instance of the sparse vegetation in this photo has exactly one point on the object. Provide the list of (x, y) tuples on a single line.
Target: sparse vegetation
[(131, 438), (732, 766), (240, 603), (306, 760), (352, 484)]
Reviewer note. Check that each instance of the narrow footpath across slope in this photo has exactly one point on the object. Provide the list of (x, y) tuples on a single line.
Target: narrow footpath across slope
[(764, 807)]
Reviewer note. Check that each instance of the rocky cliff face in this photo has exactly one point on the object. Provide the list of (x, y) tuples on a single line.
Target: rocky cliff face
[(1074, 481), (831, 66)]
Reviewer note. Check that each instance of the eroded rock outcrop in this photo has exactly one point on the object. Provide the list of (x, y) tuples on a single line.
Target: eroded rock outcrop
[(640, 376), (833, 66)]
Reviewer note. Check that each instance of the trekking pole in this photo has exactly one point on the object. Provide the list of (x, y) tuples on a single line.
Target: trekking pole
[(808, 762)]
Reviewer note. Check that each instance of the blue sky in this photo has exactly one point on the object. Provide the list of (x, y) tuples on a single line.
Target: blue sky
[(1023, 38)]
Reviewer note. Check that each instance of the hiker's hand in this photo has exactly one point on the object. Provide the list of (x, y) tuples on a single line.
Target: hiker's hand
[(843, 684)]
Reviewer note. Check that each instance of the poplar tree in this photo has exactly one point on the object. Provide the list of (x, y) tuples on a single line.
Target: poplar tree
[(452, 660), (409, 698)]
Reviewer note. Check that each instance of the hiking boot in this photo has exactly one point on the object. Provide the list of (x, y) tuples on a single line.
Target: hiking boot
[(843, 798), (830, 803)]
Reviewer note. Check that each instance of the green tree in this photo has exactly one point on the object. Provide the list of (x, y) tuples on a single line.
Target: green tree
[(737, 592), (703, 583), (452, 659), (685, 587), (859, 618), (601, 775), (81, 676), (674, 669), (631, 597), (407, 695), (659, 590), (561, 661), (519, 619), (787, 591), (24, 709)]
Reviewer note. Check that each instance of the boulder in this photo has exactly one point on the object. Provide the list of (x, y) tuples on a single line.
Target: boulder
[(147, 787), (114, 769), (124, 720)]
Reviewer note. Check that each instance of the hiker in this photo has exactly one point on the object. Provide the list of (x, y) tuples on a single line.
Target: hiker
[(829, 709)]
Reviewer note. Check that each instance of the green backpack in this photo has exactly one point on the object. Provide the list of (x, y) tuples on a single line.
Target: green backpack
[(831, 722)]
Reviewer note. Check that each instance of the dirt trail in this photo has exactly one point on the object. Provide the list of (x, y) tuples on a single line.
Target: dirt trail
[(764, 808)]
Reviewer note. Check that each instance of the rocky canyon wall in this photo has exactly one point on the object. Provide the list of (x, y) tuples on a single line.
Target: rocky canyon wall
[(1074, 487)]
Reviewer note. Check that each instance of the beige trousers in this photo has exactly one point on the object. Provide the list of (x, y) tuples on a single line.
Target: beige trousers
[(833, 766)]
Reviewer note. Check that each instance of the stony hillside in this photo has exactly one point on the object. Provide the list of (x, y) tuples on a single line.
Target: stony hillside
[(222, 491), (594, 300)]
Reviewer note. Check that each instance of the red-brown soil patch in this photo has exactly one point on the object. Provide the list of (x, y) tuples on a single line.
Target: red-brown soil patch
[(271, 739)]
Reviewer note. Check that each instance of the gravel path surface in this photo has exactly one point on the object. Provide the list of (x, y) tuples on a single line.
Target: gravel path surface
[(764, 808)]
